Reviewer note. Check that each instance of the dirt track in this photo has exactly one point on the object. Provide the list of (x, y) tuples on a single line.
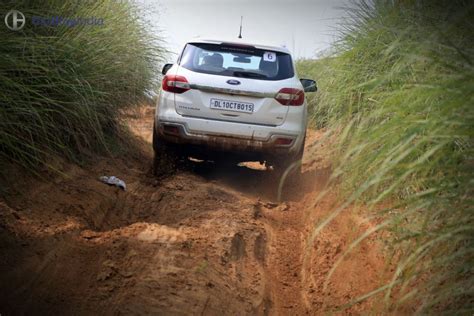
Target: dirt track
[(209, 240)]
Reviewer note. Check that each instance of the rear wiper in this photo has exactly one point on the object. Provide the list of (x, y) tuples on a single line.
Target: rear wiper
[(248, 74)]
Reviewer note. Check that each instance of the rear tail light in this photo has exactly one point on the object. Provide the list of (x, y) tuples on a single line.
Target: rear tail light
[(290, 96), (175, 84)]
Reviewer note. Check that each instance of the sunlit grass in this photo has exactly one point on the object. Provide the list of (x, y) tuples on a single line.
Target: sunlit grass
[(399, 93), (61, 88)]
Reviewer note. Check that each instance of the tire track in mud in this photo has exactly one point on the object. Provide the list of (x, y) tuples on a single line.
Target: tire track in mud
[(279, 247)]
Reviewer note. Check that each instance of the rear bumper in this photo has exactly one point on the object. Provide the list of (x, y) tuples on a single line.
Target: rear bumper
[(247, 140)]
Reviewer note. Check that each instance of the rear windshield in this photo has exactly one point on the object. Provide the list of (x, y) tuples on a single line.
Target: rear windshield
[(237, 61)]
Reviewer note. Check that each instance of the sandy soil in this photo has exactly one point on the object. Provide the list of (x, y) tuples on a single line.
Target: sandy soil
[(208, 240)]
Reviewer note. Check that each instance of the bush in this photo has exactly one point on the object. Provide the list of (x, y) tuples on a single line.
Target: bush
[(399, 91), (62, 87)]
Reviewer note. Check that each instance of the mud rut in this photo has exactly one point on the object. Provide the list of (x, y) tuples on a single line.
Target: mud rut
[(208, 240)]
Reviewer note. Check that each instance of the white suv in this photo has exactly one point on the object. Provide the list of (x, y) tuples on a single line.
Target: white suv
[(233, 102)]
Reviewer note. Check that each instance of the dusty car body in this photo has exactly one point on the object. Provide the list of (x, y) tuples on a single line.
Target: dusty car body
[(232, 101)]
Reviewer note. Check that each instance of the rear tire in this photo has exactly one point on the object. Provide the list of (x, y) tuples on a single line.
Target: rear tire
[(288, 170), (165, 156), (292, 163)]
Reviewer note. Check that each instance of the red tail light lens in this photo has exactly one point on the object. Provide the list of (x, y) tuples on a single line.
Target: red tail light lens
[(290, 96), (175, 84)]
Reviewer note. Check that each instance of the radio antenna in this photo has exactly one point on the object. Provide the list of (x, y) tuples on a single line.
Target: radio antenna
[(240, 33)]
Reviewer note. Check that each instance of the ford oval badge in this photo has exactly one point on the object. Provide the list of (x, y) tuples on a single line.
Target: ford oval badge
[(233, 82)]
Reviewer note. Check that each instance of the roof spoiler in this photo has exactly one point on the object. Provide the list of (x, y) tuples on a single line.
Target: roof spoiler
[(240, 45)]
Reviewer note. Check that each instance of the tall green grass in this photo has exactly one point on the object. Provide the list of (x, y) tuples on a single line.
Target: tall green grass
[(61, 87), (398, 94)]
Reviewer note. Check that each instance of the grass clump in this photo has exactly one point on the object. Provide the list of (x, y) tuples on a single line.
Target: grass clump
[(62, 87), (399, 92)]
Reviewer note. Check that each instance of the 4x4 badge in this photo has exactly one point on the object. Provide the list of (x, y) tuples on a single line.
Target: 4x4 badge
[(233, 82)]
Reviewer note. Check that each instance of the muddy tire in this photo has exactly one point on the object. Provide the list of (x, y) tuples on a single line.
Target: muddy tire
[(288, 172), (164, 156), (291, 164)]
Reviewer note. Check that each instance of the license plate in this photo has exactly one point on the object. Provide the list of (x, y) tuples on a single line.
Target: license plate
[(235, 106)]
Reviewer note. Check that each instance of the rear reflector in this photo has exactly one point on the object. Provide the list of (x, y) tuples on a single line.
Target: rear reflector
[(175, 84), (170, 129), (283, 141), (290, 96)]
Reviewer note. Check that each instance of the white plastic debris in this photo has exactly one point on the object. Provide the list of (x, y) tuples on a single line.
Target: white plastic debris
[(113, 180)]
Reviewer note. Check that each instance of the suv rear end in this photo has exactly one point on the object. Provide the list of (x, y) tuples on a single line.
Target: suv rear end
[(233, 101)]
